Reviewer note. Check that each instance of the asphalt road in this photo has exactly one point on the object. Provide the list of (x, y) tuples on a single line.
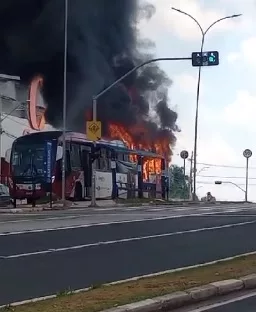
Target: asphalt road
[(238, 302), (246, 305), (43, 262)]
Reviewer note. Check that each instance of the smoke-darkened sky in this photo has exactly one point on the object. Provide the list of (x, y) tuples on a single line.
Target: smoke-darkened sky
[(103, 44)]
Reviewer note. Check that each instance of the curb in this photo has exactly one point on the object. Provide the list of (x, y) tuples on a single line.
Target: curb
[(193, 295)]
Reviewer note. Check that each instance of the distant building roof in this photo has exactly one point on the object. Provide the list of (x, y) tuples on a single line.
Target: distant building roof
[(9, 77)]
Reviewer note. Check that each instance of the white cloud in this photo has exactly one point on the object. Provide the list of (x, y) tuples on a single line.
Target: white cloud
[(212, 148), (242, 111), (183, 26), (187, 83), (216, 150), (248, 49), (246, 52), (233, 57)]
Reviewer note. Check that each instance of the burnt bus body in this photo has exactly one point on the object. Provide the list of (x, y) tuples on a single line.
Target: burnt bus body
[(36, 168)]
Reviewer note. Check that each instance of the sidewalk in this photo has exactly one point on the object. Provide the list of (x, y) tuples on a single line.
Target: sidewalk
[(57, 206), (21, 208)]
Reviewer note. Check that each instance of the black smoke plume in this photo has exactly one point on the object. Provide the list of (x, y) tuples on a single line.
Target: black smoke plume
[(103, 44)]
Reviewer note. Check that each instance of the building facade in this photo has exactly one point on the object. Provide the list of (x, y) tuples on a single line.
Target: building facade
[(14, 110)]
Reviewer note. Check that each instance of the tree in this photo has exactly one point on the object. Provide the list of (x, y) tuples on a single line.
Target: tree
[(178, 187)]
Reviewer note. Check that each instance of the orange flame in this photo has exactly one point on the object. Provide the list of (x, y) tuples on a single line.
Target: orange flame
[(151, 167)]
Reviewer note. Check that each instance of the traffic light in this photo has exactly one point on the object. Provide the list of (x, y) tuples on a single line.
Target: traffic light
[(205, 58), (218, 182)]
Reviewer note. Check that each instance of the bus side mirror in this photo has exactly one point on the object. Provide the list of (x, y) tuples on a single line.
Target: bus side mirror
[(59, 152), (8, 155)]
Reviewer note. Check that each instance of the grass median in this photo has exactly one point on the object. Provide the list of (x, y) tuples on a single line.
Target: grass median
[(104, 297)]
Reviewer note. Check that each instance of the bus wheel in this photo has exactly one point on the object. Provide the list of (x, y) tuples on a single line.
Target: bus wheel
[(78, 192)]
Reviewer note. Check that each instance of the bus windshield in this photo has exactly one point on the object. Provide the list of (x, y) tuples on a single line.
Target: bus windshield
[(28, 160)]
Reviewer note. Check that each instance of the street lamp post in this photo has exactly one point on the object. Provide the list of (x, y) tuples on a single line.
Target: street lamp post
[(202, 169), (63, 185), (203, 32)]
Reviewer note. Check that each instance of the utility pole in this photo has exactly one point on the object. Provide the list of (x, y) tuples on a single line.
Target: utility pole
[(63, 182), (191, 175), (93, 196), (1, 131)]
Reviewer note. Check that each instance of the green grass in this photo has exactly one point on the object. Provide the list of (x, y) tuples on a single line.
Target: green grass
[(100, 297)]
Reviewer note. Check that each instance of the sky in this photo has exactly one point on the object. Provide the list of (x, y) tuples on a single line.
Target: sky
[(227, 105)]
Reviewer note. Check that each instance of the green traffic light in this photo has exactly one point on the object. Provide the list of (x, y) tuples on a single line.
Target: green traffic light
[(211, 59)]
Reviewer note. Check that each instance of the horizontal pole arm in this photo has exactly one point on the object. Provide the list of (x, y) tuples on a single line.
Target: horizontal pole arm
[(138, 67)]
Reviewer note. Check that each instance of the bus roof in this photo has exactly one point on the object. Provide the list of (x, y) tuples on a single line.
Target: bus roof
[(80, 137)]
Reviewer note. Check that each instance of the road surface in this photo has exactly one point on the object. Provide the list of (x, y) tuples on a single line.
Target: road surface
[(246, 305), (45, 253), (236, 303)]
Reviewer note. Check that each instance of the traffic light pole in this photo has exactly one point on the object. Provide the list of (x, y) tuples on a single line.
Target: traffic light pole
[(95, 102), (203, 32), (63, 175), (93, 195)]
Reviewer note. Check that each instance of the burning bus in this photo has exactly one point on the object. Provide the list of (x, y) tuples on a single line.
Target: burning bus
[(136, 111), (36, 168)]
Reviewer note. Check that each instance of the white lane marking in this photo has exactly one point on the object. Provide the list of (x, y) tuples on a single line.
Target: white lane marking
[(125, 240), (71, 227), (136, 278), (224, 303)]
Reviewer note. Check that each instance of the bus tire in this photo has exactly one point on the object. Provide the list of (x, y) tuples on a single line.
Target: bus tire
[(78, 192)]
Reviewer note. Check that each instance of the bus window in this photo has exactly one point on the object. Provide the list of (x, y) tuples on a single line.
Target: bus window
[(104, 161), (75, 156), (126, 157), (120, 156)]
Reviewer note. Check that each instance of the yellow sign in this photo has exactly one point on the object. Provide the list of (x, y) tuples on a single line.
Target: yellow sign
[(93, 130)]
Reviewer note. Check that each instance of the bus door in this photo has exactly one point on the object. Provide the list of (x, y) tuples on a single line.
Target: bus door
[(87, 168)]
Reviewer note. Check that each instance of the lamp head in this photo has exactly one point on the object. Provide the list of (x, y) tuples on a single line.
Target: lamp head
[(235, 15)]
